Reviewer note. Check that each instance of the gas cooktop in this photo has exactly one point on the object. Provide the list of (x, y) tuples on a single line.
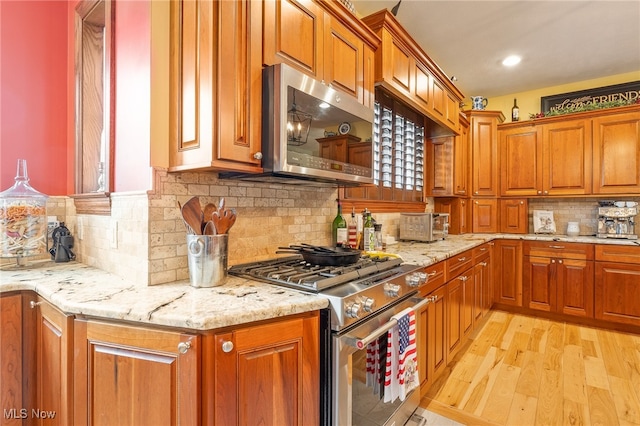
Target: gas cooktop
[(293, 271)]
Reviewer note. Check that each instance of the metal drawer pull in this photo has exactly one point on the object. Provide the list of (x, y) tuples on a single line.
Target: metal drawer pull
[(462, 259), (483, 249), (556, 247), (463, 278), (362, 343), (183, 347), (33, 304), (560, 261), (483, 263), (432, 274)]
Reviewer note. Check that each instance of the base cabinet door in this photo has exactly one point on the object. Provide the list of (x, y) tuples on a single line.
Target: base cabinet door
[(13, 362), (616, 292), (436, 338), (54, 363), (539, 283), (126, 375), (268, 374), (508, 272), (575, 287)]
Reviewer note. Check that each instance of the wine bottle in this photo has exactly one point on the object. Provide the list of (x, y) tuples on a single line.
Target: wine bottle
[(369, 234), (352, 230), (515, 111), (339, 229)]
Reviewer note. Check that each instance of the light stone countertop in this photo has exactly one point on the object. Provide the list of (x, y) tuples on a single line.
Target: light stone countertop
[(79, 289), (76, 288)]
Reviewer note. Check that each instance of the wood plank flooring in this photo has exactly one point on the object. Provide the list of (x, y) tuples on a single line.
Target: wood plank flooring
[(521, 370)]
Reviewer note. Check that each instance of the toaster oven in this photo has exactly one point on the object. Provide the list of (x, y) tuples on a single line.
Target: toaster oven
[(426, 227)]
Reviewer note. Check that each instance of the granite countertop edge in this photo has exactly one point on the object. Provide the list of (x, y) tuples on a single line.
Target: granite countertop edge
[(79, 289)]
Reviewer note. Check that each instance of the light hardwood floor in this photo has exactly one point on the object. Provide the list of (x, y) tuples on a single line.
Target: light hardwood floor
[(520, 370)]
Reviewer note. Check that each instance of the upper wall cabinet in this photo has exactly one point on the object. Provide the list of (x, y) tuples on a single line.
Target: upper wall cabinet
[(546, 159), (216, 85), (616, 152), (595, 152), (483, 134), (323, 40), (402, 68)]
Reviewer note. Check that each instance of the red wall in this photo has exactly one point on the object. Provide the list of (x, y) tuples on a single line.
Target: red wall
[(34, 93), (133, 96)]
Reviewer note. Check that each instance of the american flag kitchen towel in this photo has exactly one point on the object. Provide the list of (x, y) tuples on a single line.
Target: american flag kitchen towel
[(401, 374)]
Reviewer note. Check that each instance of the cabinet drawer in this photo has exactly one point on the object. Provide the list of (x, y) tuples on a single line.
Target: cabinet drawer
[(480, 252), (435, 277), (558, 249), (458, 263), (615, 253)]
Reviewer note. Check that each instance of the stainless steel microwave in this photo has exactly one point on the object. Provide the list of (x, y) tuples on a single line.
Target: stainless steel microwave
[(312, 132)]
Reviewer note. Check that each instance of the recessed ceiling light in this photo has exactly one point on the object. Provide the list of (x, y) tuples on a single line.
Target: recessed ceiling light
[(512, 60), (324, 105)]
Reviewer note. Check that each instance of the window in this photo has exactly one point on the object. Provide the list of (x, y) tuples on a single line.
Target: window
[(398, 156)]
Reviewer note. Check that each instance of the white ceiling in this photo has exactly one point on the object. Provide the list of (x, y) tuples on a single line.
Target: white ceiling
[(560, 41)]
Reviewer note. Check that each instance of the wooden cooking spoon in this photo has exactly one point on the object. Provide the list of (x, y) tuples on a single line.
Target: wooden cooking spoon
[(192, 215)]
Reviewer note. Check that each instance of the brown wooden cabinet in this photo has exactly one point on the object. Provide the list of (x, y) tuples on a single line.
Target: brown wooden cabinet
[(439, 154), (267, 373), (127, 374), (35, 361), (483, 134), (323, 40), (482, 279), (460, 297), (514, 215), (17, 367), (293, 34), (520, 160), (558, 277), (616, 151), (404, 69), (484, 214), (544, 159), (432, 326), (617, 278), (215, 85), (507, 272), (447, 162), (461, 160), (459, 213), (54, 361)]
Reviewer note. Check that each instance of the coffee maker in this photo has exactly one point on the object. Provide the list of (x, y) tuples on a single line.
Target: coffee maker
[(616, 219)]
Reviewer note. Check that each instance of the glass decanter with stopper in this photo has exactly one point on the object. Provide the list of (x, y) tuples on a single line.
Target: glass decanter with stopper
[(23, 219)]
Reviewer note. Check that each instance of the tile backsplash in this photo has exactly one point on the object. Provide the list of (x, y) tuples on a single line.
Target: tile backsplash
[(565, 210), (144, 238)]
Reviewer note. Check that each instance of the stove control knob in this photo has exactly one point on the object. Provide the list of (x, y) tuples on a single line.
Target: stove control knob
[(352, 310), (368, 304), (392, 290), (412, 280)]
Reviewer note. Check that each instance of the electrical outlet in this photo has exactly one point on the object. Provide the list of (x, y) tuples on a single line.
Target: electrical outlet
[(114, 235)]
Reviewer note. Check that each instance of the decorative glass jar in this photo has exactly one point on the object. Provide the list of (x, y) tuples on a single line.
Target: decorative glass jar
[(23, 218)]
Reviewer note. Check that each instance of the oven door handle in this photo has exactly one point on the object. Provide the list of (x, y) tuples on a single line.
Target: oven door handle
[(362, 343)]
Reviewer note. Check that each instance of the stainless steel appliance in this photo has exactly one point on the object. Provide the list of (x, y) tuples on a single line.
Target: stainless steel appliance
[(300, 117), (616, 219), (427, 227), (363, 298)]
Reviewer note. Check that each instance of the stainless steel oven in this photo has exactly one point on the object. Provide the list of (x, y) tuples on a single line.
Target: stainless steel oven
[(358, 393), (363, 298)]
